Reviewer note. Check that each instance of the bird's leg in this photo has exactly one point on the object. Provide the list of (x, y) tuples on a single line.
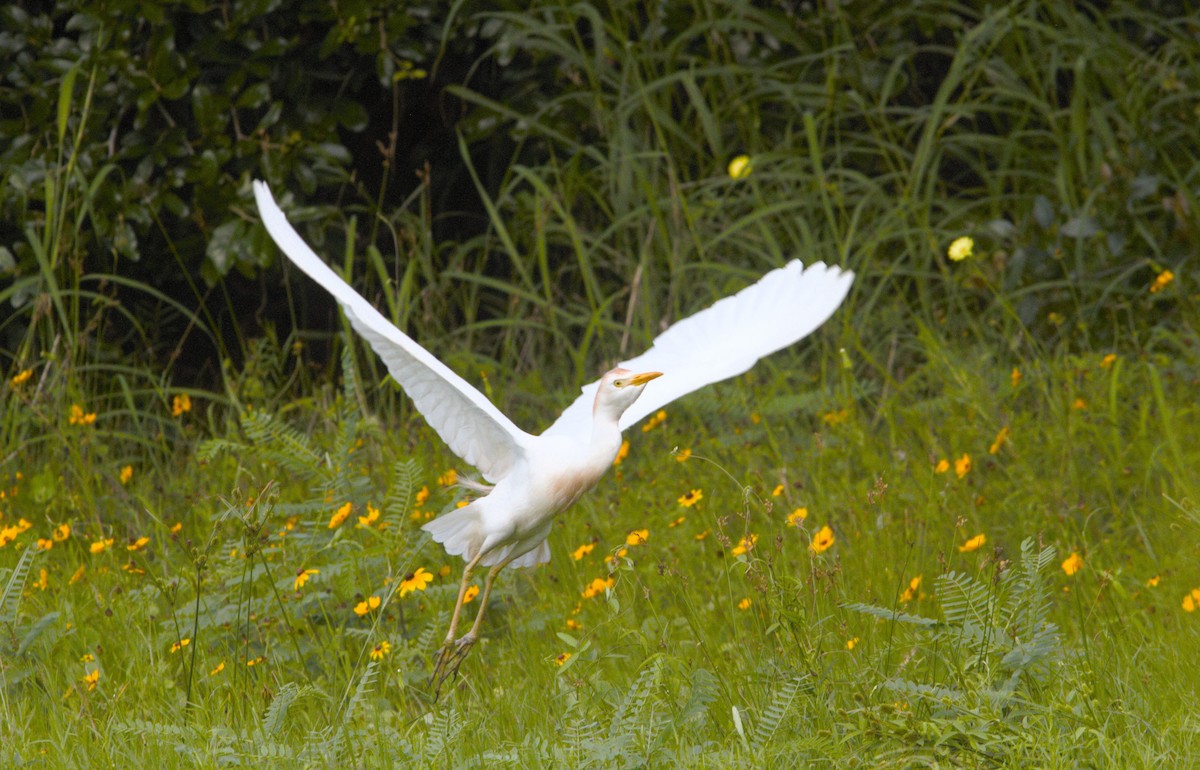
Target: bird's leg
[(449, 664), (446, 652)]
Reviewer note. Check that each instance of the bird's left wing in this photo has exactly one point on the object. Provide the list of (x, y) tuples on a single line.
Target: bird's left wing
[(471, 425), (724, 340)]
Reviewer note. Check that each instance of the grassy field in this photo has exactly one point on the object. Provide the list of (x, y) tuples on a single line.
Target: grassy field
[(956, 527)]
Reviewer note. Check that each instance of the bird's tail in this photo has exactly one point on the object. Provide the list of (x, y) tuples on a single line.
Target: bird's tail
[(459, 531)]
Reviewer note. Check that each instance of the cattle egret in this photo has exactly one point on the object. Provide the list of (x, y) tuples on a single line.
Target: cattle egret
[(534, 478)]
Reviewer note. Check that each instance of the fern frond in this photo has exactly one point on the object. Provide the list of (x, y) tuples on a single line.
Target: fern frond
[(630, 710), (10, 600), (775, 712), (885, 614), (281, 442), (964, 599), (365, 685), (401, 487), (272, 724), (705, 689)]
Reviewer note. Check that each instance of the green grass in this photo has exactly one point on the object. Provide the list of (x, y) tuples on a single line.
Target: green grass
[(1064, 143)]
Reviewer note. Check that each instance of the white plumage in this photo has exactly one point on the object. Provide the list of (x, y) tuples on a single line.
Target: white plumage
[(537, 477)]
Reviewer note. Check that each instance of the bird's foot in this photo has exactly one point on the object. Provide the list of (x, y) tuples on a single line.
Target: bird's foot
[(449, 657)]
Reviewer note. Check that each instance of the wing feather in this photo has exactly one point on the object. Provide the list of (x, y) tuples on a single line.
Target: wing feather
[(472, 426), (724, 340)]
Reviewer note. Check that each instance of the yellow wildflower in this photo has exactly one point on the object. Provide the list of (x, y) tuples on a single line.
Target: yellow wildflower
[(340, 515), (622, 453), (962, 466), (973, 544), (177, 646), (180, 404), (422, 496), (1079, 404), (942, 466), (79, 417), (836, 417), (744, 604), (1108, 360), (598, 586), (371, 517), (637, 537), (449, 478), (77, 575), (1152, 582), (302, 577), (702, 535), (368, 604), (654, 421), (823, 540), (1072, 564), (1001, 440), (44, 544), (795, 517), (62, 532), (91, 679), (740, 167), (582, 551), (562, 658), (677, 522), (416, 581), (101, 545), (1161, 281), (911, 591), (21, 377), (469, 596), (220, 667), (138, 544), (850, 643), (381, 650), (691, 498), (744, 545), (1015, 376), (682, 455), (961, 248), (126, 474)]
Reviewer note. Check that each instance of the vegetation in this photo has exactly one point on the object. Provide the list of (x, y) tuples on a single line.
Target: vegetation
[(957, 526)]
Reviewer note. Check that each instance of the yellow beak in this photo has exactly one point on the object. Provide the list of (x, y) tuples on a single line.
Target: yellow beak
[(644, 377)]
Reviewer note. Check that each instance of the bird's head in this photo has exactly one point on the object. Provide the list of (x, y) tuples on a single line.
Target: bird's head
[(618, 389)]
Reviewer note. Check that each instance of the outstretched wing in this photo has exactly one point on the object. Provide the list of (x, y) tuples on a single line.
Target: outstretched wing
[(471, 425), (724, 340)]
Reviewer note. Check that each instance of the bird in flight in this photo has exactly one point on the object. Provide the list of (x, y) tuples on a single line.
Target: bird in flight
[(534, 478)]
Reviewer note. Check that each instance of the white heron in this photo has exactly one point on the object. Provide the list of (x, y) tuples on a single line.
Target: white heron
[(534, 478)]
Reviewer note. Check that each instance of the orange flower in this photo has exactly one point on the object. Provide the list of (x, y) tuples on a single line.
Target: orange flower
[(973, 544)]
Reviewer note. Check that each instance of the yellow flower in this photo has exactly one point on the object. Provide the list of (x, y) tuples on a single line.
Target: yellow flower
[(469, 596), (371, 517), (1015, 376), (1161, 281), (1079, 404), (740, 167), (176, 528), (449, 478), (79, 417), (823, 540), (850, 643), (744, 604), (21, 377), (1001, 439), (380, 650), (422, 496), (43, 581), (138, 544), (622, 453), (942, 466), (340, 515), (691, 498), (180, 404), (1073, 564), (77, 575), (702, 535), (416, 581), (682, 455), (637, 537), (582, 551), (62, 532), (573, 624), (1189, 604), (911, 591), (1152, 582), (302, 577), (562, 658), (180, 645), (835, 418), (101, 545), (126, 474), (598, 586), (91, 679), (677, 522), (961, 248), (744, 545), (44, 544), (777, 491), (615, 558), (365, 606), (973, 544), (962, 466), (1108, 360), (795, 517), (255, 661), (220, 667), (654, 421)]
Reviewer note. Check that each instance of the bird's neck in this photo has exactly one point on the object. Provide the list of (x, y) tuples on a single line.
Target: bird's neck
[(606, 434)]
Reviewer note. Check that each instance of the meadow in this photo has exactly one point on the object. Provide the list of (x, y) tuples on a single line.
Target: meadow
[(956, 527)]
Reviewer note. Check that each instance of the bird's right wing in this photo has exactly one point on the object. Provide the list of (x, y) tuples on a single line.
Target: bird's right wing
[(471, 425), (724, 340)]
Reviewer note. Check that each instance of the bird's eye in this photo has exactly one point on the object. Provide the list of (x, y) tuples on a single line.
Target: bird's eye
[(618, 383)]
